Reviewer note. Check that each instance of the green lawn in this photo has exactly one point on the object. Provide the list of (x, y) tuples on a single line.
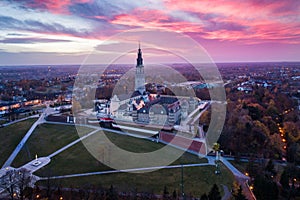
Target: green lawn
[(46, 139), (10, 136), (77, 158), (197, 180)]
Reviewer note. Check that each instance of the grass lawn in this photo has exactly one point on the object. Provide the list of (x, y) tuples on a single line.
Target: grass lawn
[(77, 159), (10, 136), (46, 139), (197, 180)]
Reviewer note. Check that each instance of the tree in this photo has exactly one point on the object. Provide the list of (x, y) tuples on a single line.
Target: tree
[(264, 188), (284, 179), (85, 192), (214, 193), (239, 195), (49, 184), (254, 112), (174, 195), (235, 188), (112, 193), (16, 181), (8, 183), (204, 197), (216, 147), (24, 179), (165, 193), (270, 168)]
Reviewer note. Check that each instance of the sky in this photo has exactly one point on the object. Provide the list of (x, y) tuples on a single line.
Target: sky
[(67, 31)]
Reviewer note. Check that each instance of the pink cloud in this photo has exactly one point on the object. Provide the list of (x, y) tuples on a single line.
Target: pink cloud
[(54, 6), (154, 19), (254, 20)]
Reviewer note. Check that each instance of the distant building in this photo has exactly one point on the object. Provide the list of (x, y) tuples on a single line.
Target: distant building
[(145, 108)]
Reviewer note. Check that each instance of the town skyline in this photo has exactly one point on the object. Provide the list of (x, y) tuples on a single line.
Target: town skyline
[(65, 32)]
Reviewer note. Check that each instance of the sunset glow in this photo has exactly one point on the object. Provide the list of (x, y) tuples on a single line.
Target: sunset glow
[(65, 31)]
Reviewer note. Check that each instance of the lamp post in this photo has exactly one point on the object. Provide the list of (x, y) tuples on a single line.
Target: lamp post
[(216, 148)]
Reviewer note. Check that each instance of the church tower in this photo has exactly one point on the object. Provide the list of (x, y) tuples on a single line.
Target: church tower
[(139, 73)]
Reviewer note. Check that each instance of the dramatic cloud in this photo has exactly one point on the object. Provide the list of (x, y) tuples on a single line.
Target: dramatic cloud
[(245, 20), (30, 40), (238, 23)]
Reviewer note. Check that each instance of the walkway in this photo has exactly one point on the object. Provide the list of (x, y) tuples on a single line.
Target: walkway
[(36, 164), (227, 193), (41, 120), (72, 143), (234, 170), (21, 144), (134, 170), (240, 176), (19, 120)]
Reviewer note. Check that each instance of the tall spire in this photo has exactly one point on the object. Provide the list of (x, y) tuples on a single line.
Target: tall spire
[(139, 60)]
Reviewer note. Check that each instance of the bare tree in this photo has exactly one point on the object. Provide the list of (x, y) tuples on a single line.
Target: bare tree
[(24, 179), (8, 182), (15, 182)]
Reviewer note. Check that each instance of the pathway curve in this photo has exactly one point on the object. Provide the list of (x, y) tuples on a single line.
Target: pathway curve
[(227, 193)]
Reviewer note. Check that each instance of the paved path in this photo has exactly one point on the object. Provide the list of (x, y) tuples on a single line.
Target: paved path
[(72, 143), (25, 138), (21, 144), (234, 170), (134, 170), (241, 178), (19, 120), (227, 193), (36, 164)]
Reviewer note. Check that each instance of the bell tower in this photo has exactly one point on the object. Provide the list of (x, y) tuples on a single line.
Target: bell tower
[(139, 73)]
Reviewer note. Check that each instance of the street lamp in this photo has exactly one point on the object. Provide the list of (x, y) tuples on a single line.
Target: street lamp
[(216, 148)]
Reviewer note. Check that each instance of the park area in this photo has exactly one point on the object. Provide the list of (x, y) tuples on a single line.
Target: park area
[(11, 135), (48, 138)]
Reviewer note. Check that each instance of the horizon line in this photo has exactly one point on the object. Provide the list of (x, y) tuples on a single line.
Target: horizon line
[(70, 64)]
